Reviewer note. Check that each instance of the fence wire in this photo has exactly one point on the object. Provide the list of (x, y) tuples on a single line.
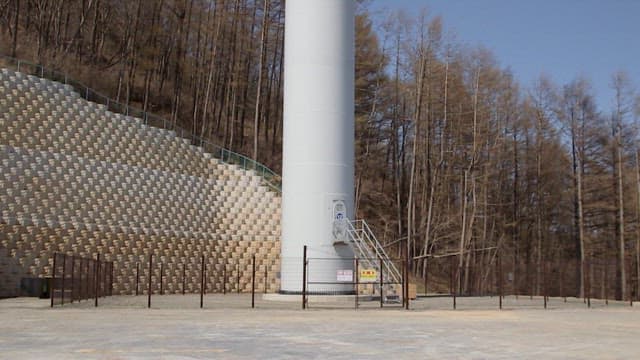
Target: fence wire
[(76, 279)]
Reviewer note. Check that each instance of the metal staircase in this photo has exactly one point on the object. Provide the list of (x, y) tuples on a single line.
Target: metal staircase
[(372, 255)]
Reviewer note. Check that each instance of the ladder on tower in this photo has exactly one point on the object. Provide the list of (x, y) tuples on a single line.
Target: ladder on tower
[(371, 254)]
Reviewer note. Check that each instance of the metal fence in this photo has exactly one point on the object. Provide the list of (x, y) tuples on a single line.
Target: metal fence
[(270, 178), (160, 276), (590, 282), (358, 282), (240, 282), (76, 279)]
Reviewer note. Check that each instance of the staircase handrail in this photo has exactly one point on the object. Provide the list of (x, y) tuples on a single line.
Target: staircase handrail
[(372, 249)]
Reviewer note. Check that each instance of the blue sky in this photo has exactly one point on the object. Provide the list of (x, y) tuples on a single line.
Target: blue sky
[(561, 38)]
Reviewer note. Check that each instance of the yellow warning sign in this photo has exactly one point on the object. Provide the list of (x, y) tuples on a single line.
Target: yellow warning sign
[(368, 275)]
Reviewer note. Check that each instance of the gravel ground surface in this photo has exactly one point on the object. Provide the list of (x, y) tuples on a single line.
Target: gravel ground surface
[(175, 328)]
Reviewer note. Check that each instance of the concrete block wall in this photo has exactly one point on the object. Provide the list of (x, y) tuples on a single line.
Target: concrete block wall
[(79, 179)]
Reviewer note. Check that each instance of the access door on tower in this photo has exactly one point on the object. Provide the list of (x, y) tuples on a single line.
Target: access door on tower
[(339, 221)]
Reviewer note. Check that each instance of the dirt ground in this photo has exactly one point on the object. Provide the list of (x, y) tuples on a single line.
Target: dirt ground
[(227, 328)]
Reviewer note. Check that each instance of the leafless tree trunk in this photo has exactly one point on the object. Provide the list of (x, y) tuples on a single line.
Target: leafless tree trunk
[(263, 53)]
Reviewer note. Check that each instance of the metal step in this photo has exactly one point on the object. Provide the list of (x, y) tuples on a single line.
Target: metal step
[(372, 255)]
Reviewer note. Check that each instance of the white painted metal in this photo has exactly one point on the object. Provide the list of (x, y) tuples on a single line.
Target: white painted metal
[(372, 255), (318, 149)]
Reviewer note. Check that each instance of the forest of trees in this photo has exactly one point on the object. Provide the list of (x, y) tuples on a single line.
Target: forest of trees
[(453, 154)]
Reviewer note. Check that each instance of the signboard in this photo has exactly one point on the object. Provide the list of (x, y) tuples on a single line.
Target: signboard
[(339, 227), (344, 276), (368, 275)]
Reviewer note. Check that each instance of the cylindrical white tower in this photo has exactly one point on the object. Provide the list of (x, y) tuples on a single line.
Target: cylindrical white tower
[(318, 148)]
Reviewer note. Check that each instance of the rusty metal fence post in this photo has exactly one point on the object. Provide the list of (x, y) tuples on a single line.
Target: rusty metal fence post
[(266, 277), (81, 280), (103, 282), (107, 280), (605, 284), (544, 284), (452, 271), (500, 278), (224, 279), (588, 282), (356, 282), (253, 281), (426, 276), (64, 275), (304, 277), (406, 280), (629, 284), (184, 277), (53, 278), (161, 279), (81, 276), (238, 277), (87, 279), (202, 283), (381, 283), (97, 279), (637, 268), (73, 268), (149, 288), (111, 279), (562, 292)]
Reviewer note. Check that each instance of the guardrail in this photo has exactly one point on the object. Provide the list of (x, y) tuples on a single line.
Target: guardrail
[(367, 246), (270, 178)]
